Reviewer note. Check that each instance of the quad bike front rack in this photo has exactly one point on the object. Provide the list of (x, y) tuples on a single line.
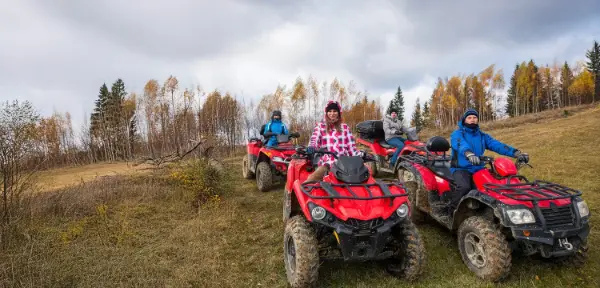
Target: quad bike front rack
[(383, 184), (549, 217)]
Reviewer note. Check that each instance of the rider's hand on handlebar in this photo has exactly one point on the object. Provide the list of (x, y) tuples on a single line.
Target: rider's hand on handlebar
[(310, 150), (474, 159), (522, 157), (398, 132)]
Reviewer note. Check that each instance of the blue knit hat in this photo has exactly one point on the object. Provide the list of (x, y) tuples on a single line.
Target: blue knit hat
[(469, 112)]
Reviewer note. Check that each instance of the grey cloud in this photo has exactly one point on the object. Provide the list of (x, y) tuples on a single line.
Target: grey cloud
[(74, 46), (175, 29)]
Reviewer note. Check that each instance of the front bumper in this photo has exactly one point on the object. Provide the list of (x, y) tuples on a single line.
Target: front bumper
[(551, 243), (362, 240)]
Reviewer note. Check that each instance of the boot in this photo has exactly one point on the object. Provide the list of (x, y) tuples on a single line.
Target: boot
[(318, 174)]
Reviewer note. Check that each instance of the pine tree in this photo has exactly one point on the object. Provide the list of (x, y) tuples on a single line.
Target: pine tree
[(593, 65), (426, 115), (417, 118), (512, 94), (566, 76), (397, 104)]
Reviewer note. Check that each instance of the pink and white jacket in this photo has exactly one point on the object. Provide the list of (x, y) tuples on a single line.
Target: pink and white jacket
[(339, 142)]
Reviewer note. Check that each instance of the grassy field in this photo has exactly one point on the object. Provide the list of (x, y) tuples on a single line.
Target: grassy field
[(142, 229)]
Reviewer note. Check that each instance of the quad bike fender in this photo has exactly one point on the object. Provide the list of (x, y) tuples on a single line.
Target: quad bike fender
[(476, 203), (290, 205), (431, 182), (252, 162)]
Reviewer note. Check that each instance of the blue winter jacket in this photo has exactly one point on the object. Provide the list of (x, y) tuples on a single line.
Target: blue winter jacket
[(275, 126), (476, 141)]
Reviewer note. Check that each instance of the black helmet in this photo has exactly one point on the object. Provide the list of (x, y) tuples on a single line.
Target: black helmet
[(276, 113)]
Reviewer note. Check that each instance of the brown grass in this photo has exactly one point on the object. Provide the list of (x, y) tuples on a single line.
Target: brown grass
[(59, 178), (142, 230)]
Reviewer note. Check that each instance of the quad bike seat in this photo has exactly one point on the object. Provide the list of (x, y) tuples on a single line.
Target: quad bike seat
[(385, 145), (441, 167), (350, 170), (441, 164)]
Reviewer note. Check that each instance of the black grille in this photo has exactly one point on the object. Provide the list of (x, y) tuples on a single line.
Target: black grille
[(365, 225), (558, 216)]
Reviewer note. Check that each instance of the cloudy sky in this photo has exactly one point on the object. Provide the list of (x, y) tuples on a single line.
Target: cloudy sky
[(58, 53)]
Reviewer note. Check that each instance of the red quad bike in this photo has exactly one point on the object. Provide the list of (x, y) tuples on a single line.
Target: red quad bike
[(349, 215), (506, 212), (268, 164), (371, 135)]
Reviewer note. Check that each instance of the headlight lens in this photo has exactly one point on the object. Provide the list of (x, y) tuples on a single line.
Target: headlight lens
[(402, 211), (278, 159), (583, 208), (520, 216), (318, 213)]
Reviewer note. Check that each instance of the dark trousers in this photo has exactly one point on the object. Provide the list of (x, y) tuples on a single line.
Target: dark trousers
[(464, 183)]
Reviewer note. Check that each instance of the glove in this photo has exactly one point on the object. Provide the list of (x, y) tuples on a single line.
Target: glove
[(472, 158), (398, 132), (310, 150), (521, 157)]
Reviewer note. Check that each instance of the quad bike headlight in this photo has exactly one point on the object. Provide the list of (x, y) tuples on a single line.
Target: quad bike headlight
[(318, 213), (520, 216), (402, 211), (583, 208)]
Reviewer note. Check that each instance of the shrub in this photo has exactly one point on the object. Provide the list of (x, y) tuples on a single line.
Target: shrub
[(199, 176)]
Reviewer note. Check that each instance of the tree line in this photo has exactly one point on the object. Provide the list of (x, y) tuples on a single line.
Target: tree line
[(166, 118), (531, 89)]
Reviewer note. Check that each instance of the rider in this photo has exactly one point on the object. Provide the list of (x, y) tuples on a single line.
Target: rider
[(275, 126), (468, 143), (335, 136), (392, 126)]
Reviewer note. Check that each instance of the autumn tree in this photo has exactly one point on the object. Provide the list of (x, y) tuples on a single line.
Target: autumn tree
[(18, 123)]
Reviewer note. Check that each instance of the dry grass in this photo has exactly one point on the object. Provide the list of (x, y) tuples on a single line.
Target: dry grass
[(141, 229), (59, 178)]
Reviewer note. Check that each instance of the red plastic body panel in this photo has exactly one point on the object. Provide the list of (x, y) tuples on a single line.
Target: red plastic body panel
[(253, 147), (504, 167), (270, 153), (342, 208), (485, 176), (431, 181)]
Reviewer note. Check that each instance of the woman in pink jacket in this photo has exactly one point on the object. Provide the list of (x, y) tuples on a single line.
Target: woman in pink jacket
[(335, 136)]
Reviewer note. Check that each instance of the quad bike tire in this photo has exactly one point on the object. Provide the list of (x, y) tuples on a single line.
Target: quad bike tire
[(264, 177), (246, 173), (301, 255), (412, 181), (491, 260), (373, 166), (410, 258)]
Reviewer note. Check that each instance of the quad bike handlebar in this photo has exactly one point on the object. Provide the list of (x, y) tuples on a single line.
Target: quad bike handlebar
[(490, 160), (302, 150), (291, 135)]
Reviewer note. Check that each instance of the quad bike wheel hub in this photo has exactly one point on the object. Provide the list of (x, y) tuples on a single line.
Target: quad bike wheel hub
[(475, 250)]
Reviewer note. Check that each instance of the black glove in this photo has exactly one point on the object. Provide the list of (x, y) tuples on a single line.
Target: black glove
[(310, 150), (521, 157), (398, 132), (474, 159)]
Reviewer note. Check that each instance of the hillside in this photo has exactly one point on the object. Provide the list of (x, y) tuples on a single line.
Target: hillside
[(140, 230)]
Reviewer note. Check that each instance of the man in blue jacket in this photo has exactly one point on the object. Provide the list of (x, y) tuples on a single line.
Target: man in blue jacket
[(468, 143), (275, 126)]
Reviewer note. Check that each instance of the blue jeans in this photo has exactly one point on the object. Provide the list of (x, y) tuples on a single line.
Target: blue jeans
[(397, 142)]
